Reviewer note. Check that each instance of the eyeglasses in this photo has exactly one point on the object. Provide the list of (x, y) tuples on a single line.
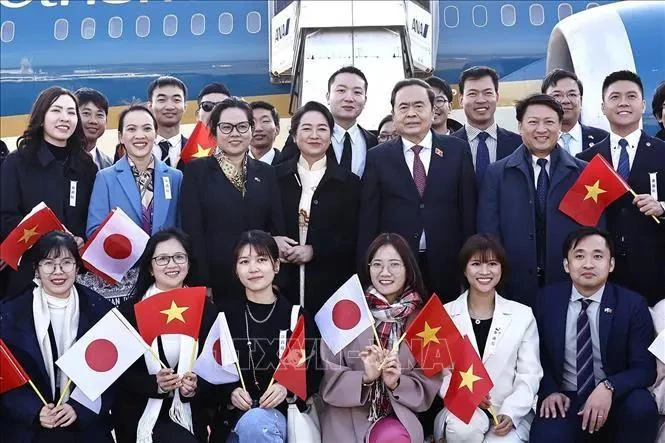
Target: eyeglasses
[(163, 260), (393, 266), (227, 128), (440, 101), (66, 266), (208, 106), (570, 96), (385, 137)]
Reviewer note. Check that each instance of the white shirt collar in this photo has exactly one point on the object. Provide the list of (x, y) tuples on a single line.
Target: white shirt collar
[(534, 161), (176, 140), (267, 158), (597, 296), (338, 132), (575, 132), (317, 166), (633, 139), (426, 142), (472, 132)]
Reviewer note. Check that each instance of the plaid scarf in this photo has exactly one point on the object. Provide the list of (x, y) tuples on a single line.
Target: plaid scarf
[(235, 176), (391, 318), (145, 182)]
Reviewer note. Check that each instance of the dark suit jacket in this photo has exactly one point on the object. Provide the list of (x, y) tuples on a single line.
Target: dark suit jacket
[(625, 330), (19, 408), (214, 213), (506, 143), (640, 241), (332, 232), (390, 202), (592, 135)]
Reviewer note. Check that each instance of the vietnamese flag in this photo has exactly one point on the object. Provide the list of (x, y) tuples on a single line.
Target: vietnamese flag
[(595, 189), (291, 371), (469, 384), (431, 336), (12, 374), (178, 311), (40, 221), (200, 144)]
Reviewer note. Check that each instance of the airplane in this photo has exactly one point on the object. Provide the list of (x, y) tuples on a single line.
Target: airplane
[(119, 46)]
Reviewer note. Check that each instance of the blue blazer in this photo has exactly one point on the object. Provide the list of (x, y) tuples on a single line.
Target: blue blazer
[(115, 187), (592, 135), (19, 408), (625, 330), (506, 141)]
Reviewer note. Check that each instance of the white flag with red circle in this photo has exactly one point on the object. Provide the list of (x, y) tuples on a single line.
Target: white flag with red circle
[(102, 354), (114, 247), (344, 316), (216, 364)]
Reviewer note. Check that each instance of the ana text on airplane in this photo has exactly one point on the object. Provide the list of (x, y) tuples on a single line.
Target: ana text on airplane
[(50, 3)]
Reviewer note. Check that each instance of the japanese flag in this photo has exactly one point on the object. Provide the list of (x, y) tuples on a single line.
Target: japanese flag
[(216, 364), (344, 316), (102, 355), (115, 247)]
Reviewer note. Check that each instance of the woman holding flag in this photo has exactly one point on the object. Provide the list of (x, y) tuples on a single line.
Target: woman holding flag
[(38, 326), (373, 391)]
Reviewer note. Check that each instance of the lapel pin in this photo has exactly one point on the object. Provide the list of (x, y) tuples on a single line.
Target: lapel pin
[(257, 179), (438, 152), (607, 310), (591, 144), (649, 144), (590, 137)]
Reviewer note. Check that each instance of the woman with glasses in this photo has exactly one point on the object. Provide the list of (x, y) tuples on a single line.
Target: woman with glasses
[(386, 129), (320, 200), (373, 392), (153, 403), (225, 195), (38, 326)]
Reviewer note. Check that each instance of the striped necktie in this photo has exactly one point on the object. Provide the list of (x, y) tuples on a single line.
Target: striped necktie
[(624, 164), (419, 174), (566, 138), (585, 380)]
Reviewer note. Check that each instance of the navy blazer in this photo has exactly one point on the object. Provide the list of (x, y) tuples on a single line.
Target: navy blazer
[(625, 330), (390, 202), (115, 186), (506, 141), (19, 408), (592, 135)]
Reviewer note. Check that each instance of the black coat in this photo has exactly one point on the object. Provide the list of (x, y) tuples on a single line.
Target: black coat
[(639, 240), (592, 135), (506, 141), (214, 213), (390, 202), (332, 232)]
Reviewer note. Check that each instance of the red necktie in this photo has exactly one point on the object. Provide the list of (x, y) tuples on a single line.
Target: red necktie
[(419, 174)]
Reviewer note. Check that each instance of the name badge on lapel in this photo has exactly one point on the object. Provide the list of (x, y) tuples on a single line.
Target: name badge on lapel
[(73, 185), (167, 187), (282, 342), (653, 183)]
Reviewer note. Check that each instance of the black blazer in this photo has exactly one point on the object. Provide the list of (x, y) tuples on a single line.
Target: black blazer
[(639, 240), (506, 141), (277, 159), (214, 213), (390, 203), (592, 135), (332, 232)]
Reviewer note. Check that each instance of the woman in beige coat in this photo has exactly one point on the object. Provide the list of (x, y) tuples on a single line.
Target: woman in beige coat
[(372, 394)]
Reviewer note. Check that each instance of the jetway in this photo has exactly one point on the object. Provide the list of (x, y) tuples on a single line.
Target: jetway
[(387, 40)]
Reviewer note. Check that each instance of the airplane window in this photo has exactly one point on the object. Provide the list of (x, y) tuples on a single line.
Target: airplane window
[(170, 26), (225, 23), (479, 14), (508, 15), (198, 24), (61, 29), (564, 10), (88, 28), (451, 16), (536, 14), (591, 5), (7, 32), (142, 26), (115, 27), (253, 22)]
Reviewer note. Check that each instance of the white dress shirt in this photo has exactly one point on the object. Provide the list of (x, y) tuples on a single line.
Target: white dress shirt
[(267, 158), (309, 180), (570, 350), (491, 141), (575, 146), (95, 157), (633, 140), (174, 150), (536, 168), (425, 157), (358, 147)]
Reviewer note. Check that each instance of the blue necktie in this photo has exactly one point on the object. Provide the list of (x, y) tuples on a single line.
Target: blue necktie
[(624, 164), (165, 146), (482, 157), (566, 138), (542, 186), (585, 380)]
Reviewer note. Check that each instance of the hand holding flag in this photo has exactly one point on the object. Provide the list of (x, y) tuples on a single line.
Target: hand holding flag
[(12, 374)]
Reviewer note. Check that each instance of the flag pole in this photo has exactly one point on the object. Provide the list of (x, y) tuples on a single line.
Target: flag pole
[(635, 195), (64, 391), (154, 354), (494, 417), (398, 342), (193, 357), (39, 394), (242, 380)]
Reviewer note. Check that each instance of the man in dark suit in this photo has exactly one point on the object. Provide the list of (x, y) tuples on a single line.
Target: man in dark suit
[(640, 160), (443, 102), (567, 89), (479, 94), (594, 339), (94, 109), (420, 185), (266, 129), (209, 96), (657, 106), (167, 98), (520, 196), (347, 95)]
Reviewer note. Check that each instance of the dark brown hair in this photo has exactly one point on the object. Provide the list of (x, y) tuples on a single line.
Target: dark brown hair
[(262, 243), (489, 248)]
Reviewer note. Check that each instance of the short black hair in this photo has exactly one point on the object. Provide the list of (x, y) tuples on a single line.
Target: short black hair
[(580, 234), (618, 76), (309, 107), (557, 75), (657, 102), (384, 120), (219, 88), (51, 245), (89, 95), (411, 82), (131, 108), (231, 102), (166, 80), (439, 83), (347, 70), (476, 72), (489, 248), (260, 104), (537, 99)]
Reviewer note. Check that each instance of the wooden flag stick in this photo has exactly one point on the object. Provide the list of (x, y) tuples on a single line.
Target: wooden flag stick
[(64, 391), (398, 342), (494, 417), (154, 354), (242, 380), (193, 357), (39, 394), (272, 381), (635, 195)]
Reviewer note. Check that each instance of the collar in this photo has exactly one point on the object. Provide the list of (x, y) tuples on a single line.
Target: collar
[(633, 139), (426, 142), (93, 153), (597, 296), (534, 161), (472, 132), (175, 140), (338, 132), (317, 166), (151, 165), (575, 132), (268, 157)]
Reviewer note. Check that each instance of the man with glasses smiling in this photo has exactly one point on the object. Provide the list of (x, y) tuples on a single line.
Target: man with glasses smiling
[(209, 96), (443, 102)]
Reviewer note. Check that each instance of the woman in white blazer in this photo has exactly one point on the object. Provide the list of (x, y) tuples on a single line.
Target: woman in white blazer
[(504, 333)]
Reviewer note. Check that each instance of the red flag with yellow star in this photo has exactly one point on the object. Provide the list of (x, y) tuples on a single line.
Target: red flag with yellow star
[(177, 311), (40, 221), (431, 336), (469, 384), (292, 369), (200, 144), (595, 189)]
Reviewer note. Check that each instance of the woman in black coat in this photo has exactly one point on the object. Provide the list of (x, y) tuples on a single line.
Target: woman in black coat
[(320, 201), (226, 194)]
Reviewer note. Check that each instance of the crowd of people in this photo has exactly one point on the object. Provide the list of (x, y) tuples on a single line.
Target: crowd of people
[(561, 315)]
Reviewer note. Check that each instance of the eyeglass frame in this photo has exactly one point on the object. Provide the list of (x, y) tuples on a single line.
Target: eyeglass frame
[(208, 102), (571, 95), (171, 258), (219, 126), (70, 262), (440, 101), (393, 266)]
